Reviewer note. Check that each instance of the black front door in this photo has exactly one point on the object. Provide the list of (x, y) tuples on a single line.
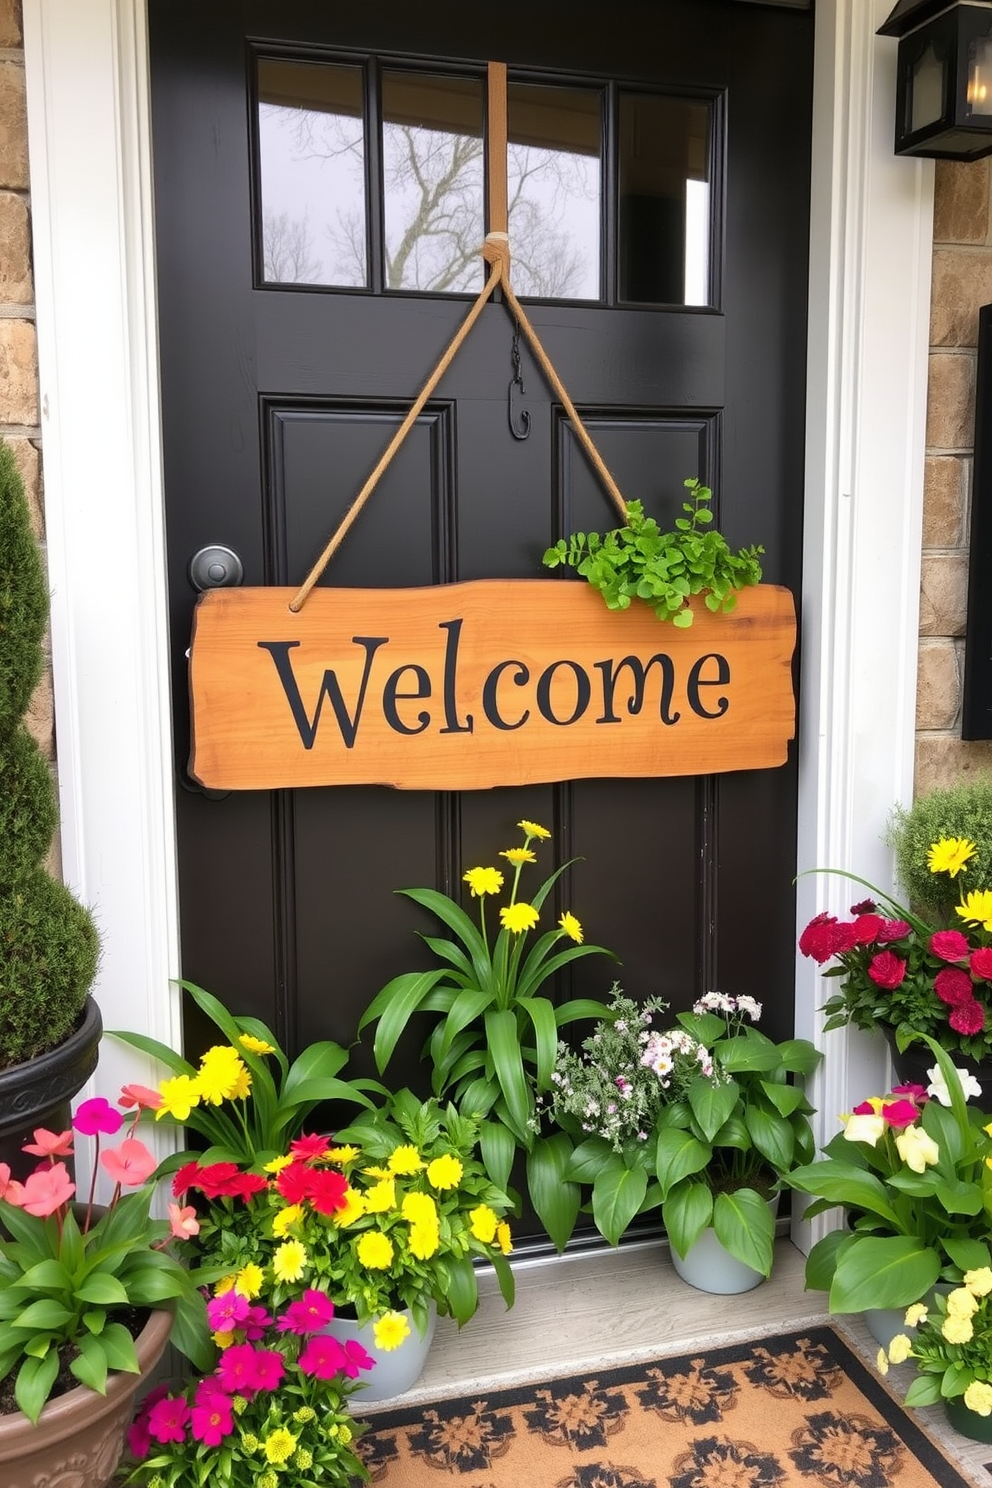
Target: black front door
[(319, 189)]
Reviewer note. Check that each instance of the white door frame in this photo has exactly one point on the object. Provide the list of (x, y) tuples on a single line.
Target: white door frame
[(91, 196)]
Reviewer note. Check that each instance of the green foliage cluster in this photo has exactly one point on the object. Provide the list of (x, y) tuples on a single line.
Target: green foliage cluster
[(960, 810), (48, 940), (664, 569)]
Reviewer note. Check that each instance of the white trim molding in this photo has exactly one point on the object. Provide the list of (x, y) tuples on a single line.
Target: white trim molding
[(87, 78)]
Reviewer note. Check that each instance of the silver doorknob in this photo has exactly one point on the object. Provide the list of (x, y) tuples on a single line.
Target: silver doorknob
[(215, 567)]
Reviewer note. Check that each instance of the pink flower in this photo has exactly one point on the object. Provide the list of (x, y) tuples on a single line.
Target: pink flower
[(45, 1191), (893, 930), (915, 1093), (255, 1324), (886, 970), (10, 1189), (308, 1146), (900, 1113), (138, 1439), (183, 1222), (967, 1017), (358, 1358), (308, 1314), (865, 1109), (236, 1369), (167, 1419), (49, 1144), (227, 1312), (140, 1096), (949, 945), (213, 1420), (130, 1164), (953, 985), (324, 1357), (981, 963), (270, 1366), (97, 1115)]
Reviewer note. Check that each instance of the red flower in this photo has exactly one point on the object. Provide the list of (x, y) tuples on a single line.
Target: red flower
[(294, 1182), (949, 945), (886, 970), (867, 928), (900, 1113), (244, 1185), (953, 985), (967, 1017), (864, 906), (817, 940), (981, 963), (893, 930), (865, 1109), (845, 937), (309, 1146), (212, 1180), (326, 1191), (186, 1177)]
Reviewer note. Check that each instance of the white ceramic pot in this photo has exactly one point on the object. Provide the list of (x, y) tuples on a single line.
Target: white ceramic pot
[(883, 1323), (396, 1370), (709, 1267)]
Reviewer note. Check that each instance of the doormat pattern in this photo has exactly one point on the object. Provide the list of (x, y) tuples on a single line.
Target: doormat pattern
[(790, 1408)]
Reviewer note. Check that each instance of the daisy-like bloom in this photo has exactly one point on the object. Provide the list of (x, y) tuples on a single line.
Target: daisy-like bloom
[(405, 1160), (503, 1237), (279, 1445), (424, 1240), (327, 1190), (352, 1208), (483, 1222), (419, 1208), (255, 1045), (531, 829), (571, 927), (957, 1329), (950, 855), (900, 1349), (978, 1397), (343, 1154), (49, 1144), (213, 1420), (183, 1222), (236, 1369), (390, 1330), (220, 1076), (917, 1150), (375, 1250), (308, 1146), (483, 881), (356, 1358), (179, 1096), (518, 917), (277, 1164), (249, 1280), (976, 908), (381, 1197), (979, 1282), (915, 1315), (289, 1260), (519, 855), (445, 1172), (377, 1172), (286, 1219)]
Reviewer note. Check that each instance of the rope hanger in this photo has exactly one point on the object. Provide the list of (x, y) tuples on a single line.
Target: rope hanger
[(496, 253)]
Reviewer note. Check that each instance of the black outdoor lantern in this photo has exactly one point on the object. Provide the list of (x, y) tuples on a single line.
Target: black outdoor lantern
[(944, 81)]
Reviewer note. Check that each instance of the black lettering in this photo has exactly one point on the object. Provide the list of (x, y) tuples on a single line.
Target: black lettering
[(391, 692), (583, 692), (279, 651), (451, 724), (489, 701), (697, 680), (638, 671)]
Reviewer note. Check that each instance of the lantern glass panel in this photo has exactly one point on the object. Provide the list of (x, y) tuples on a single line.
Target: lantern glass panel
[(980, 77), (926, 90)]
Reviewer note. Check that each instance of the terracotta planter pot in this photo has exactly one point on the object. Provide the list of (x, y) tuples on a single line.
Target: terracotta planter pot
[(79, 1439), (38, 1092)]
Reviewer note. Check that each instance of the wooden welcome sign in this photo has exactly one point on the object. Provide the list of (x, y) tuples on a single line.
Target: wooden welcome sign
[(494, 682)]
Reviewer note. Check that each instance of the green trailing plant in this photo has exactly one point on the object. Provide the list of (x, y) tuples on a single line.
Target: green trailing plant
[(664, 569), (962, 810), (48, 941)]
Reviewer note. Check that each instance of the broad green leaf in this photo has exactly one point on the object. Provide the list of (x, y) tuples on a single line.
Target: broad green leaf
[(319, 1061), (118, 1348), (745, 1226), (542, 1017), (679, 1155), (504, 1047), (785, 1098), (821, 1263), (504, 1276), (588, 1159), (617, 1195), (498, 1149), (452, 915), (34, 1380), (968, 1255), (47, 1275), (686, 1213), (923, 1390), (101, 1288), (394, 1006), (712, 1104), (772, 1136), (843, 1183), (46, 1313), (883, 1271), (90, 1367), (161, 1052), (467, 1006), (555, 1199), (462, 1293), (578, 1008)]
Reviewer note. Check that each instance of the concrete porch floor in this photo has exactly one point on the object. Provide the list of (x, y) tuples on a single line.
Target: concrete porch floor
[(592, 1310)]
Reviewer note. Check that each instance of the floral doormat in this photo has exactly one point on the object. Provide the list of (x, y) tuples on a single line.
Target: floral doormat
[(781, 1410)]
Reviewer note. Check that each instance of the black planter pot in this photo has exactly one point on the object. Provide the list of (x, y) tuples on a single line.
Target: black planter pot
[(911, 1067), (38, 1092)]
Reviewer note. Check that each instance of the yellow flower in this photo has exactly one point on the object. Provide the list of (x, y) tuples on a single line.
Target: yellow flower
[(222, 1340), (882, 1362), (483, 1224), (277, 1164), (377, 1173), (289, 1260), (483, 881), (979, 1282), (179, 1096), (375, 1250), (279, 1445), (957, 1329), (571, 927), (380, 1197), (248, 1281), (425, 1238), (444, 1172), (917, 1150), (352, 1209), (900, 1349), (915, 1315), (503, 1237), (976, 908), (226, 1284), (219, 1074), (519, 855), (518, 917), (241, 1089), (285, 1219), (978, 1397), (345, 1434), (419, 1208), (342, 1154), (255, 1045), (961, 1303), (864, 1129), (390, 1330), (405, 1160), (531, 829), (950, 855)]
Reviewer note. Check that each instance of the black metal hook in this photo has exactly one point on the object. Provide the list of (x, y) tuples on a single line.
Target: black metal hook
[(519, 421)]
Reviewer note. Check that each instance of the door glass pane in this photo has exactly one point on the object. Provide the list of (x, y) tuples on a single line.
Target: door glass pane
[(664, 227), (432, 157), (554, 184), (312, 167)]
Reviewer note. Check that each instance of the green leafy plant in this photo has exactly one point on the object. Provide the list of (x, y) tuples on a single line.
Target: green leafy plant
[(664, 569), (245, 1098), (962, 811), (495, 1038), (951, 1342), (910, 1171)]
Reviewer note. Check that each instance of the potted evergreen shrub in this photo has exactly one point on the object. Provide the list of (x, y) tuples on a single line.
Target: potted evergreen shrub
[(49, 1026)]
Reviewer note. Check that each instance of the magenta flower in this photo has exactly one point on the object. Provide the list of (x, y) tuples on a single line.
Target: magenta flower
[(49, 1144), (97, 1115), (270, 1366), (213, 1420), (886, 970), (139, 1441), (255, 1324), (949, 945), (130, 1164), (227, 1312), (358, 1358), (167, 1419), (968, 1017), (324, 1357), (917, 1093), (900, 1113), (954, 986), (981, 963), (207, 1388), (236, 1369), (308, 1314), (894, 930)]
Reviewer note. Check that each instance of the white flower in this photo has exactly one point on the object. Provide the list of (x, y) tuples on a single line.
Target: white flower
[(918, 1151), (864, 1129), (937, 1089), (749, 1006)]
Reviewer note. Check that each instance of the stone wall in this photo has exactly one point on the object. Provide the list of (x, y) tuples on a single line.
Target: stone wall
[(962, 282)]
